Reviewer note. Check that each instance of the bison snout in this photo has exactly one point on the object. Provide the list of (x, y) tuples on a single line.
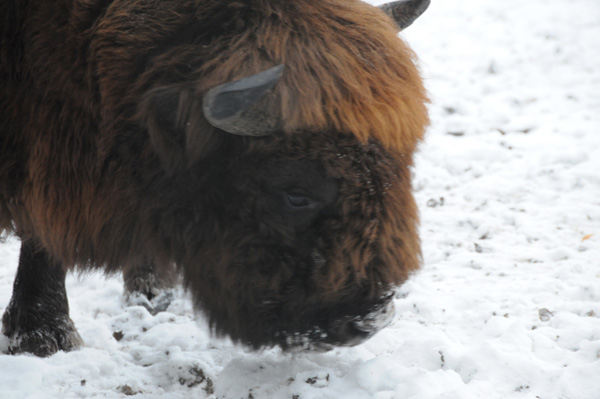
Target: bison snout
[(376, 320), (351, 331)]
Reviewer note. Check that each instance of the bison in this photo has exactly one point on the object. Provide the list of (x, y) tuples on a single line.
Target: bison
[(261, 149)]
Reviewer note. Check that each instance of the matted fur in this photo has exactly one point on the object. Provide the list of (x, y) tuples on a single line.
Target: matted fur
[(95, 169)]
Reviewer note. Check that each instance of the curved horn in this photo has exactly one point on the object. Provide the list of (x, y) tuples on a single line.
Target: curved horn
[(404, 12), (232, 106)]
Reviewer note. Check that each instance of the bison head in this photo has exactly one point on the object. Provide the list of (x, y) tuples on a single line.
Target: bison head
[(286, 197)]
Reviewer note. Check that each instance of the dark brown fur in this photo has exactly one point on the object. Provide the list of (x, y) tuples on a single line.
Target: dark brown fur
[(91, 169)]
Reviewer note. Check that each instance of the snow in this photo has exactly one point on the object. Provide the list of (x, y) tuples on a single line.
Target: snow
[(507, 304)]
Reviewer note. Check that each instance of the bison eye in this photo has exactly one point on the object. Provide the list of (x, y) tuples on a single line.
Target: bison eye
[(298, 200)]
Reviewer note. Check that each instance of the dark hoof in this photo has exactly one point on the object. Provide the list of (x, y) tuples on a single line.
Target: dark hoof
[(153, 303), (58, 334)]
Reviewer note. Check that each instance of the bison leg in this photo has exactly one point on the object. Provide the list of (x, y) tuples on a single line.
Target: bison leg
[(149, 286), (37, 317)]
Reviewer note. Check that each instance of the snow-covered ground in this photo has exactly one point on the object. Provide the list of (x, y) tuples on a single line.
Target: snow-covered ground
[(507, 304)]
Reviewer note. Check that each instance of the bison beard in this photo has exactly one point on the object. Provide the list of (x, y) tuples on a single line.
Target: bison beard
[(261, 148)]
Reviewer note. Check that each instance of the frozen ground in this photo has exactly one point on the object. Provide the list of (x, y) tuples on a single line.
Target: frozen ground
[(507, 304)]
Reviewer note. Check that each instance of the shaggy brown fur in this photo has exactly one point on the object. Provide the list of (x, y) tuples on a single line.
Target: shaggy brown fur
[(95, 170)]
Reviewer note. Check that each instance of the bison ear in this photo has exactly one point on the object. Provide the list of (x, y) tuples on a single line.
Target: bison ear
[(405, 12), (178, 133), (235, 106)]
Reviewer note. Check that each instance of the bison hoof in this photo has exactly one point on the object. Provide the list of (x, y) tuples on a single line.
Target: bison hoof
[(55, 335), (153, 303)]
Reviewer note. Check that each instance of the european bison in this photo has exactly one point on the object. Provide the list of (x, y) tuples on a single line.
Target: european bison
[(261, 147)]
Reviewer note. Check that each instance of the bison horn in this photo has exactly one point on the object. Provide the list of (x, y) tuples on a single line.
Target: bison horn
[(232, 106), (404, 12)]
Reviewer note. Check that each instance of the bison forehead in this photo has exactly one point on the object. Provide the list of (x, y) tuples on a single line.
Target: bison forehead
[(345, 68), (350, 74)]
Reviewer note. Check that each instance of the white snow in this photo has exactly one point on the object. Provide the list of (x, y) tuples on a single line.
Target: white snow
[(507, 304)]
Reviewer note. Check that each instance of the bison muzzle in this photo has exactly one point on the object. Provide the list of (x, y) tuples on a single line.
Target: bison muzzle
[(260, 149)]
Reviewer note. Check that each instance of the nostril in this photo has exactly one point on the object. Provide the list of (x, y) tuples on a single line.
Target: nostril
[(350, 331), (376, 320), (345, 333)]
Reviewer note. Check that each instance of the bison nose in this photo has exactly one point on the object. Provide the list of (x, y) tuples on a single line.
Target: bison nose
[(355, 330), (376, 320)]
